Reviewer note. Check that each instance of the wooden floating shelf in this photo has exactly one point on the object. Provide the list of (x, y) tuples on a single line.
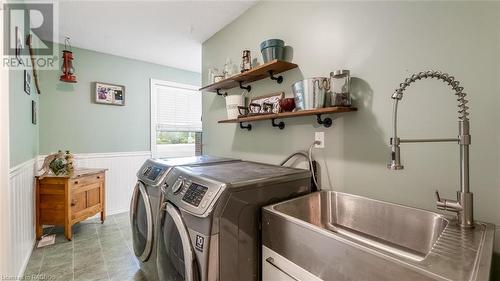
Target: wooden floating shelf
[(320, 111), (327, 122), (257, 73)]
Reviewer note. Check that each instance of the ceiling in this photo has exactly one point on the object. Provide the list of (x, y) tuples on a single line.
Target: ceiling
[(163, 32)]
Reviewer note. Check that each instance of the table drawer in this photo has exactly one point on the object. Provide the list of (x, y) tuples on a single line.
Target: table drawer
[(87, 180)]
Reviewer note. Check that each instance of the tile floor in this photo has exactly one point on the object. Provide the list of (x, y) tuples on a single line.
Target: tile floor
[(97, 252)]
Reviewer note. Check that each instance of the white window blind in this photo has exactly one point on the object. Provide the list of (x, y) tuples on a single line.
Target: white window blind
[(177, 109)]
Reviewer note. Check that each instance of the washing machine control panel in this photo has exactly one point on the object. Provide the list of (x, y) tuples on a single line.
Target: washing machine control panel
[(152, 172), (194, 194)]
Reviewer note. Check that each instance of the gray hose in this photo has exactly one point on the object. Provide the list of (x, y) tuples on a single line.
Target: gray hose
[(308, 156), (301, 153)]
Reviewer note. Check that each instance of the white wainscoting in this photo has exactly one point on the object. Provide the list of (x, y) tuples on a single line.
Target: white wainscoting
[(120, 177), (21, 217)]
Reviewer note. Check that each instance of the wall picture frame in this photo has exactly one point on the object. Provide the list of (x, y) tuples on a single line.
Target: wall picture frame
[(19, 44), (34, 112), (111, 94), (27, 82)]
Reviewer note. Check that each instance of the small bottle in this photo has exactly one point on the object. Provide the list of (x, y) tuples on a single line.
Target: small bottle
[(215, 73), (246, 61), (228, 72)]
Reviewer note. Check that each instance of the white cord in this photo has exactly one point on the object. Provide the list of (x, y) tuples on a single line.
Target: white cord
[(311, 164)]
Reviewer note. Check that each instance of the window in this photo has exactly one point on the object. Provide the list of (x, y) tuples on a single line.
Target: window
[(175, 120)]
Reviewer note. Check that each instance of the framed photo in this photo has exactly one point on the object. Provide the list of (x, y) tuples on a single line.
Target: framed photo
[(34, 112), (19, 44), (270, 100), (109, 94), (27, 82)]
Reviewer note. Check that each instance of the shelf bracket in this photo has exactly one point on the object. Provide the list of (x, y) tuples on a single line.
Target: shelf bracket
[(278, 79), (280, 125), (248, 88), (248, 127), (327, 122), (221, 94)]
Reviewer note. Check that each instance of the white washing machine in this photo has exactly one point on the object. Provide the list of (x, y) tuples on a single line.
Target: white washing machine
[(145, 205)]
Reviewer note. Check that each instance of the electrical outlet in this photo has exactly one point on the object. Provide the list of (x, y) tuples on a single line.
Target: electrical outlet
[(319, 137)]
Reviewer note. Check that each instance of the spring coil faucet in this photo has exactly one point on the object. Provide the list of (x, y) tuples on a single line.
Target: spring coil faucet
[(463, 206)]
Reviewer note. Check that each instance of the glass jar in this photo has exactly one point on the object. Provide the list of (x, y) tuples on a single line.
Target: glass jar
[(340, 84)]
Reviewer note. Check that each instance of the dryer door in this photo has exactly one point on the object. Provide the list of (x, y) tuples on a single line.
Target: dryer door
[(141, 218), (175, 260)]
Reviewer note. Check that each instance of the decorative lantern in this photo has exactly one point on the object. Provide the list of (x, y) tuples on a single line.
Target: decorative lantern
[(67, 68)]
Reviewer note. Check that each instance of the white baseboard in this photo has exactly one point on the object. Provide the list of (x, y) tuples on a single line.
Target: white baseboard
[(116, 212), (27, 259)]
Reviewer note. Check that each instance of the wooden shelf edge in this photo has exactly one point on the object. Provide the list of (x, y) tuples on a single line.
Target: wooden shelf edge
[(257, 73), (321, 111)]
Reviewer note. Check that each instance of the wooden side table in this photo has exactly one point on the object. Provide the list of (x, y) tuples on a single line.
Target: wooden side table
[(65, 200)]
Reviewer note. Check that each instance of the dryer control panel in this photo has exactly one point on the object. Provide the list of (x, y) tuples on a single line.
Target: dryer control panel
[(194, 194), (191, 193)]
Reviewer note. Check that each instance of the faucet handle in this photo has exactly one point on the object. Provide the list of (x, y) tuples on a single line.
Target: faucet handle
[(438, 197), (441, 204), (447, 205)]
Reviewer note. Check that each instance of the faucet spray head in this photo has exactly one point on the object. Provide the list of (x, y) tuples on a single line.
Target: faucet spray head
[(395, 156), (395, 166)]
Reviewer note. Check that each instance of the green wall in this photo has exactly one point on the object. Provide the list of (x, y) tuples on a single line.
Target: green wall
[(381, 43), (70, 120), (23, 134)]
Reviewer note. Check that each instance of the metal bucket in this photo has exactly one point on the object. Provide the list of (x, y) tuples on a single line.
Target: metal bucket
[(310, 93), (272, 49), (272, 53)]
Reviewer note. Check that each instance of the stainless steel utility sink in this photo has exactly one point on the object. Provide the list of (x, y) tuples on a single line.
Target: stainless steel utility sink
[(394, 228), (338, 236)]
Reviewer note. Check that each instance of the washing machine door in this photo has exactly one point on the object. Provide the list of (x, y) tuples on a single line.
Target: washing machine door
[(175, 260), (141, 218)]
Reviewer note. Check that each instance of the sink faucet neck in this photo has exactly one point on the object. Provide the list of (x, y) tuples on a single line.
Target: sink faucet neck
[(463, 206), (450, 80)]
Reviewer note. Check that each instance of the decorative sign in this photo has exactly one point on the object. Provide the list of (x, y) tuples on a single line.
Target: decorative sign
[(34, 112), (267, 104), (27, 82)]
